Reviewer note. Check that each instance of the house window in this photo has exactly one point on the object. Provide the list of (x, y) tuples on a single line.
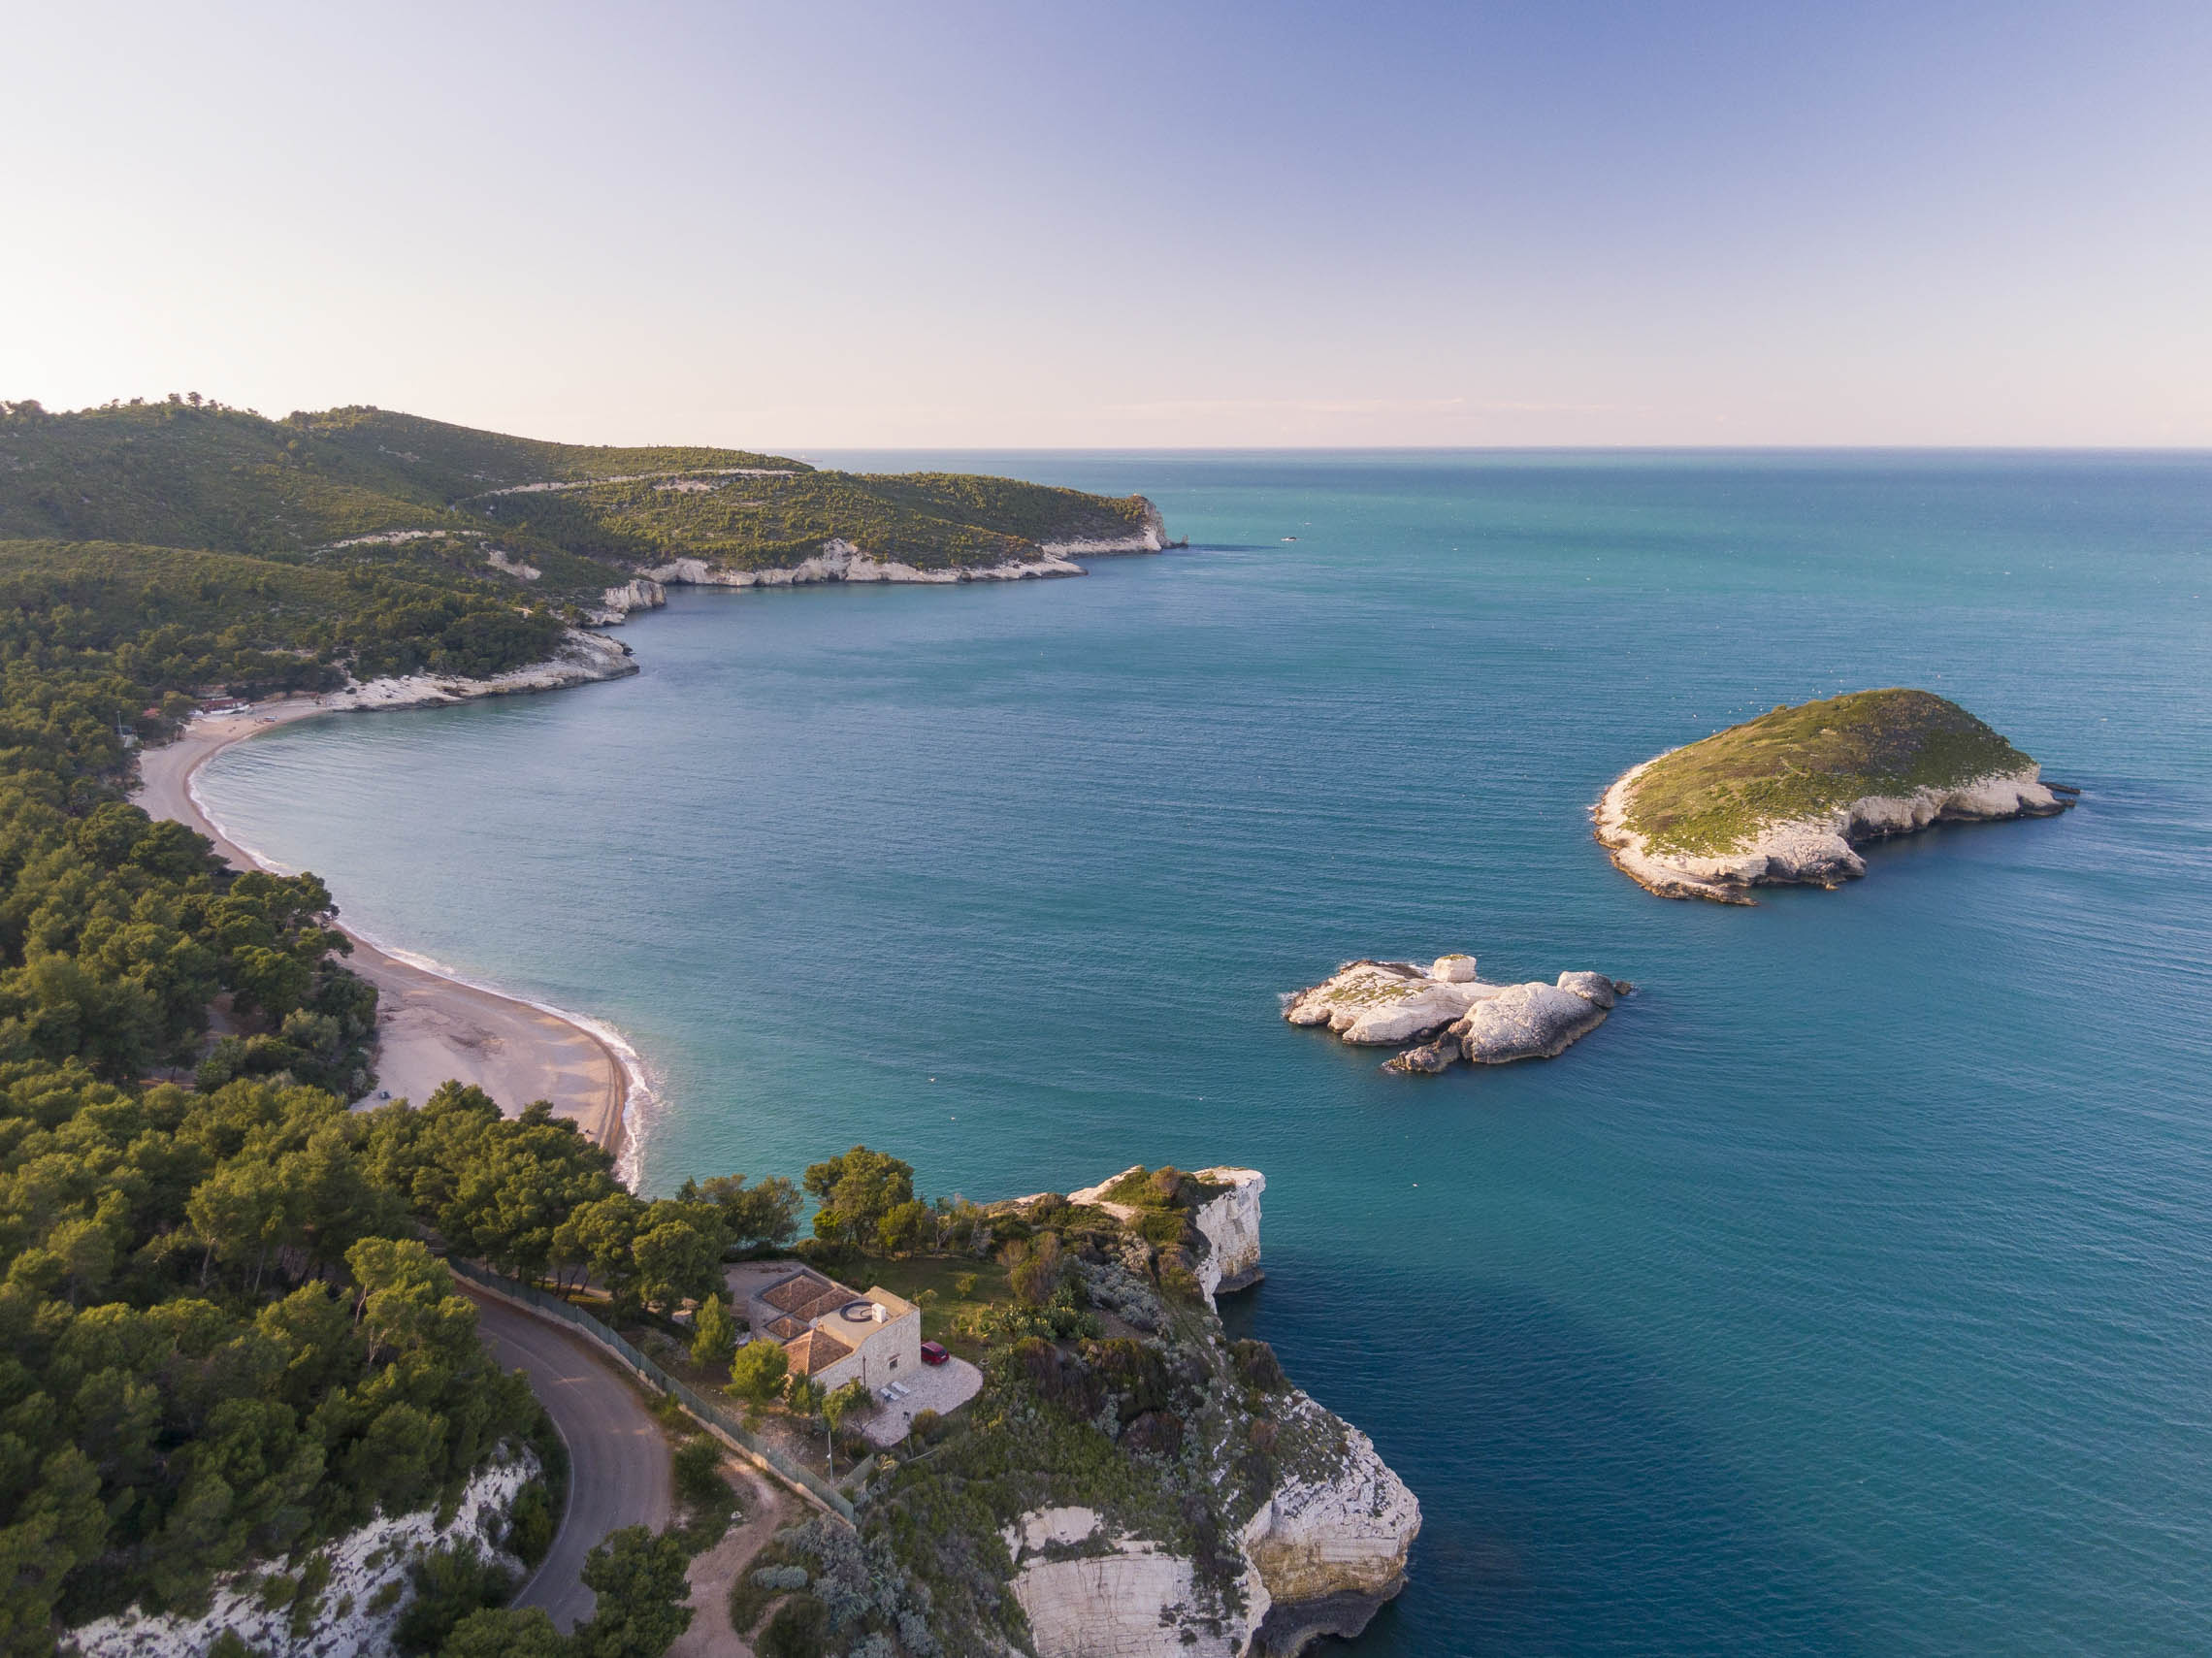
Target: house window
[(895, 1361)]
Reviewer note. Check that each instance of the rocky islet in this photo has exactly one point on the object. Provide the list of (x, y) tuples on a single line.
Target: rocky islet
[(1446, 1014)]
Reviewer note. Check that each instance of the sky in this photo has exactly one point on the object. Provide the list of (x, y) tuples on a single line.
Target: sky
[(1052, 225)]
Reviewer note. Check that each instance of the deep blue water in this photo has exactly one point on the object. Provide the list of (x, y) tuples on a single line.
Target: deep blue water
[(1848, 1292)]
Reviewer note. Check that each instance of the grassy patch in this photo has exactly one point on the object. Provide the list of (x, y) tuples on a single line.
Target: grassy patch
[(1165, 1188), (1795, 762), (983, 1280)]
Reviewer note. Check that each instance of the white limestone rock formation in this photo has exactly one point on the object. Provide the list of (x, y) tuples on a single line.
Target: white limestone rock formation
[(617, 602), (1525, 1021), (371, 1584), (1230, 1225), (1811, 851), (1329, 1552), (1124, 1597), (1450, 1015), (579, 659)]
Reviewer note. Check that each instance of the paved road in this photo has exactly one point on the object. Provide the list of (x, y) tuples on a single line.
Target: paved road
[(618, 1460)]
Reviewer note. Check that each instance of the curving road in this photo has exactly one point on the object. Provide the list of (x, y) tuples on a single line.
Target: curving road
[(618, 1461)]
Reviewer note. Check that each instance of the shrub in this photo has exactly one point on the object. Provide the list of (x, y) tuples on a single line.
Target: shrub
[(699, 1474), (1162, 1228), (1258, 1365), (800, 1629), (756, 1371), (450, 1583), (1034, 1273), (1156, 1433), (531, 1523)]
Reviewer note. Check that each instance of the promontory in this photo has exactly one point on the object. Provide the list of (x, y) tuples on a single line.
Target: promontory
[(1783, 799)]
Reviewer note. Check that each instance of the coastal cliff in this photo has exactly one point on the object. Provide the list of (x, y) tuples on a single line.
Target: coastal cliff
[(1448, 1015), (1785, 798), (1318, 1544), (840, 560), (1130, 1481), (580, 659)]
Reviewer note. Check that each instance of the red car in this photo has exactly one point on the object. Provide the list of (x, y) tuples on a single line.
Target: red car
[(932, 1353)]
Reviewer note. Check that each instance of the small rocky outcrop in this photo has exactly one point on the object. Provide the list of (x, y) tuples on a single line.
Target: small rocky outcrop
[(1449, 1014)]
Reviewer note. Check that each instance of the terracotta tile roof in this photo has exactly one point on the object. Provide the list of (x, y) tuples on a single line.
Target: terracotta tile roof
[(815, 1350), (784, 1327), (789, 1294), (807, 1295)]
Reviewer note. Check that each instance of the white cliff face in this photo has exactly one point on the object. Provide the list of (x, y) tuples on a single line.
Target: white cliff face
[(1816, 851), (841, 561), (1451, 1013), (580, 659), (617, 602), (1230, 1225), (1126, 1597), (1326, 1547), (1346, 1535), (379, 1557)]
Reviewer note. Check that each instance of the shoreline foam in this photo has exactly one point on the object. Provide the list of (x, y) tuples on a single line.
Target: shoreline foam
[(491, 1035)]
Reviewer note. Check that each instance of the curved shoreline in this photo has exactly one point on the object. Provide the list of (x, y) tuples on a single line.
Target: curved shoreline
[(431, 1025)]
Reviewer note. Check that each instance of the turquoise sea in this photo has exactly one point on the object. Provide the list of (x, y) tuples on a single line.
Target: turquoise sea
[(1850, 1292)]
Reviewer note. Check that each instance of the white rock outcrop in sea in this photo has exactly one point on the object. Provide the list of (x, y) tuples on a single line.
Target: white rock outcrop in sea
[(1451, 1014), (1811, 851), (366, 1566)]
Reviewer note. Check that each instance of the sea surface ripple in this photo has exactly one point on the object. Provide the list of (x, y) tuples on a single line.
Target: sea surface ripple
[(1850, 1292)]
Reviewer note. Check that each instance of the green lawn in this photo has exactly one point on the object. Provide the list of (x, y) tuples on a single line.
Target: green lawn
[(910, 1278)]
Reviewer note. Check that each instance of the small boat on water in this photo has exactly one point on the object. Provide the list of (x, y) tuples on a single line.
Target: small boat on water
[(1290, 537)]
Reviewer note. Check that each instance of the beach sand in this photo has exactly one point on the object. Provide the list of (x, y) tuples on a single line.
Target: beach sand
[(429, 1027)]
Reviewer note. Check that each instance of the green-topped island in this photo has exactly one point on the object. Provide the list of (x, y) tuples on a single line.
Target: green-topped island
[(1782, 798)]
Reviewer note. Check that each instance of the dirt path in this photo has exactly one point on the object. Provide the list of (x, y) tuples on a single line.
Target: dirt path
[(767, 1508)]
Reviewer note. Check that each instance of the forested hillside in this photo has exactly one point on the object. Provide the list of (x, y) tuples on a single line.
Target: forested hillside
[(546, 525), (223, 1335)]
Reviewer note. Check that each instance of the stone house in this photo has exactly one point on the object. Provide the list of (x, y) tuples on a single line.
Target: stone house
[(834, 1335)]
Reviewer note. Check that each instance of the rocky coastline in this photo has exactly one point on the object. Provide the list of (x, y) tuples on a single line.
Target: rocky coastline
[(1816, 850), (1317, 1552), (580, 659), (1444, 1012), (841, 560)]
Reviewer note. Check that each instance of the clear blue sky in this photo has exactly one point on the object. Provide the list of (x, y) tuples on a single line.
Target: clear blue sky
[(842, 224)]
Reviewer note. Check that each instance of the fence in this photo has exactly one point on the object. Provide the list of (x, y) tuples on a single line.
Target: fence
[(717, 1417)]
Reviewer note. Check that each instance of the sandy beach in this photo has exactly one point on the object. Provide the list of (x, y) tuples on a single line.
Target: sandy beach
[(429, 1027)]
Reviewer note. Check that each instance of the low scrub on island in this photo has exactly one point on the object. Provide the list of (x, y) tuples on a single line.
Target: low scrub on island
[(1800, 763)]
